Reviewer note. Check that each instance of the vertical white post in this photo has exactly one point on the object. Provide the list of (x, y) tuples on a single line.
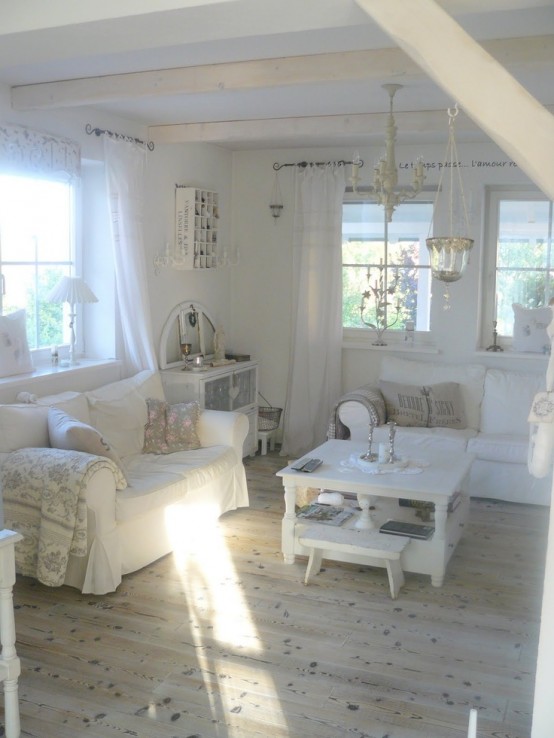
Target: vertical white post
[(10, 667)]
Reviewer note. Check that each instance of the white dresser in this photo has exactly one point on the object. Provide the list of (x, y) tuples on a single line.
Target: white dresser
[(229, 387)]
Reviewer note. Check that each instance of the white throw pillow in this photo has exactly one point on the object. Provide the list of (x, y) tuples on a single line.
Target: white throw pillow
[(508, 400), (70, 434), (15, 357), (530, 326), (147, 383), (23, 426), (26, 425), (121, 420)]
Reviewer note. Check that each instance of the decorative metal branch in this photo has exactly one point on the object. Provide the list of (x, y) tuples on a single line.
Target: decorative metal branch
[(380, 293)]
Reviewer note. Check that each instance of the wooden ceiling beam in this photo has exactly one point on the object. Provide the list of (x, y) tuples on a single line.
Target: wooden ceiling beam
[(498, 104), (315, 127), (375, 64)]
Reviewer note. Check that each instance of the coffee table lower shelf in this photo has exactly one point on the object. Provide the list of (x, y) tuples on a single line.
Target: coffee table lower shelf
[(419, 557)]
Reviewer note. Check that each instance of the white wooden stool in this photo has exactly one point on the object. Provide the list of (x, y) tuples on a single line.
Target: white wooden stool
[(367, 543), (264, 437)]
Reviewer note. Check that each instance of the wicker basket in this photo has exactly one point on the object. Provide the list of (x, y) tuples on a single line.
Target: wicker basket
[(269, 418)]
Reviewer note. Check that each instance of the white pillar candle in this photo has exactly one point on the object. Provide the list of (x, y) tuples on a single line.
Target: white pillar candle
[(472, 729)]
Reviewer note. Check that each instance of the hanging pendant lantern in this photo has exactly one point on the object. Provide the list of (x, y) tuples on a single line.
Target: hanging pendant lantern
[(276, 201), (449, 255)]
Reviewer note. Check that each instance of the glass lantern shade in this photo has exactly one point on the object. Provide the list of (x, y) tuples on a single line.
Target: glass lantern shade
[(449, 256)]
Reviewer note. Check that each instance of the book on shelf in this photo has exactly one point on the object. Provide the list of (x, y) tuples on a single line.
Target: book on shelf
[(411, 530), (424, 505), (328, 514)]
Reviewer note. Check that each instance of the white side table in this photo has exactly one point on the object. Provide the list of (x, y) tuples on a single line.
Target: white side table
[(10, 667)]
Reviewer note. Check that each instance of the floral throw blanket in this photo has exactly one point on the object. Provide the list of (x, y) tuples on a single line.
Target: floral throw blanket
[(44, 499)]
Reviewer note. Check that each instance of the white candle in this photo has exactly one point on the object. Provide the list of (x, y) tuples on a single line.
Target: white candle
[(472, 729), (496, 306)]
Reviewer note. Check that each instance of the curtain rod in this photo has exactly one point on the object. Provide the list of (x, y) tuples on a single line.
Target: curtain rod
[(99, 131), (304, 164)]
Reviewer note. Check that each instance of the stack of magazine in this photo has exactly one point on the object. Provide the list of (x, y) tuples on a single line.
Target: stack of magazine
[(328, 514)]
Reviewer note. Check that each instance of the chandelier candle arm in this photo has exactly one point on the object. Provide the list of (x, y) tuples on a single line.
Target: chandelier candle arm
[(385, 188)]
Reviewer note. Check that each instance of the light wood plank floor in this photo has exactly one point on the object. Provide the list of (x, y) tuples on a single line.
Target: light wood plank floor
[(224, 641)]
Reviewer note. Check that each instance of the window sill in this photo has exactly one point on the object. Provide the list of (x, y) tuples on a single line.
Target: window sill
[(516, 355), (356, 339), (46, 379)]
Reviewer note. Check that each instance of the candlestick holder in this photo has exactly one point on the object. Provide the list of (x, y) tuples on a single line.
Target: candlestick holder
[(494, 346), (369, 455), (392, 433)]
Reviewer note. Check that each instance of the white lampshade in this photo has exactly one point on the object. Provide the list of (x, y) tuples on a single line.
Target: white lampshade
[(76, 292), (73, 290)]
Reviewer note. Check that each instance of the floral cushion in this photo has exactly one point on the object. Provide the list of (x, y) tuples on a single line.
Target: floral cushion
[(171, 427)]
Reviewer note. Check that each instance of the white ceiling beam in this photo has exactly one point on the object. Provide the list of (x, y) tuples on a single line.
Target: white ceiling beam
[(433, 121), (500, 106), (376, 64)]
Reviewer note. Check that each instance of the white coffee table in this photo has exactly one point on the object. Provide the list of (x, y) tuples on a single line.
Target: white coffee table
[(446, 474)]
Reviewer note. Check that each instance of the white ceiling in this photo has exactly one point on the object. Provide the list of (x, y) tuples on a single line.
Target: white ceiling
[(97, 42)]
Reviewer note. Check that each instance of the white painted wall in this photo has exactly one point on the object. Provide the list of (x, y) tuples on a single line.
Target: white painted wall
[(204, 166), (261, 306), (252, 300)]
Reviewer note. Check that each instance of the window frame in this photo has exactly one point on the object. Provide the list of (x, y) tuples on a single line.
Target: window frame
[(42, 355), (494, 194), (359, 336)]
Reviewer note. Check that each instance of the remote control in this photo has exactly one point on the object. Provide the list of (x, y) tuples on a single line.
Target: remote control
[(312, 465), (299, 465)]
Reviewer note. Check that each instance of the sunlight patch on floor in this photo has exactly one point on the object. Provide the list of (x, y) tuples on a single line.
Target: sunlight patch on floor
[(218, 610)]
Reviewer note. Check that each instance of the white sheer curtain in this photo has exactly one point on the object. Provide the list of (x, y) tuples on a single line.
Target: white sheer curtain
[(125, 163), (314, 382)]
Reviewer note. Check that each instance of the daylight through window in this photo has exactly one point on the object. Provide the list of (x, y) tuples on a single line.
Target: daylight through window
[(363, 250), (36, 249), (521, 229)]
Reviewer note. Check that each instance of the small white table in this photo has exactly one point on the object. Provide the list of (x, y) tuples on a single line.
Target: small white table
[(10, 667), (446, 474)]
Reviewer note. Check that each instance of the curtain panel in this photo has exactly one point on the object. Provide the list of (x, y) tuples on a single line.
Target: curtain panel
[(314, 382), (125, 163), (38, 154)]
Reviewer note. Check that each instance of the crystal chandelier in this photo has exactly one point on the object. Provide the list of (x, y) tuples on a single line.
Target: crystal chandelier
[(386, 192), (385, 188)]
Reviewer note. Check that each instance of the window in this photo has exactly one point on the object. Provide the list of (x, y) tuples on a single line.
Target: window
[(363, 256), (36, 249), (520, 258)]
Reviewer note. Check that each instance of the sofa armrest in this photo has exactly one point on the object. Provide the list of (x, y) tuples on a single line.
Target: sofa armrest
[(223, 428), (370, 400)]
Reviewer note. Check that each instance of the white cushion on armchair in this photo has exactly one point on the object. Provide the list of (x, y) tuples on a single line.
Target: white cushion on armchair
[(508, 399)]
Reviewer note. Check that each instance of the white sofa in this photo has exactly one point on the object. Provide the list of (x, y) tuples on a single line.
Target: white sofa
[(496, 404), (128, 528)]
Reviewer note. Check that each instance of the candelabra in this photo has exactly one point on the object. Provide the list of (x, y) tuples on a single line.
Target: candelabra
[(380, 292), (494, 346), (385, 188)]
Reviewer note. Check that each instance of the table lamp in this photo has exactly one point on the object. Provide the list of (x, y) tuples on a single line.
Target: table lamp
[(74, 291)]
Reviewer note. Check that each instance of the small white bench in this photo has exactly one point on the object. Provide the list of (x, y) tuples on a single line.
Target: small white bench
[(368, 543)]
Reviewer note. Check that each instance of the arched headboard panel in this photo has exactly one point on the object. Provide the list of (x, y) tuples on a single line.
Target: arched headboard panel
[(188, 322)]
